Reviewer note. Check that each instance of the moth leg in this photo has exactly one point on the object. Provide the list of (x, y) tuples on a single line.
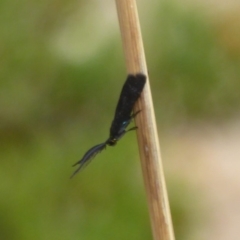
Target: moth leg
[(131, 129), (135, 114)]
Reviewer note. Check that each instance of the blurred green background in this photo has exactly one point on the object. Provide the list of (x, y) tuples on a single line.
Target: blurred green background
[(62, 68)]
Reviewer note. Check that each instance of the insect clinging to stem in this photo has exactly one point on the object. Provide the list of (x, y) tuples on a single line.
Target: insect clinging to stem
[(130, 93)]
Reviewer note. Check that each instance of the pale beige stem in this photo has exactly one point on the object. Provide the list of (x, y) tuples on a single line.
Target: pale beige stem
[(147, 132)]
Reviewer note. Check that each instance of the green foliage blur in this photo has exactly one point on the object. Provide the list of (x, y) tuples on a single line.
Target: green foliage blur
[(58, 92)]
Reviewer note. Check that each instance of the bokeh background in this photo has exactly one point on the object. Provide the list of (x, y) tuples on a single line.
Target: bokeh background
[(61, 71)]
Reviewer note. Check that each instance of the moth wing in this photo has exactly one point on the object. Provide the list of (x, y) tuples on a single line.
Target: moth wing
[(131, 91)]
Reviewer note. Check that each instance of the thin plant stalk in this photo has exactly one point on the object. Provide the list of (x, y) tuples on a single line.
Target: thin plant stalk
[(148, 142)]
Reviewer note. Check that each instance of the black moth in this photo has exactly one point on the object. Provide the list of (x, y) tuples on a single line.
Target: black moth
[(131, 91)]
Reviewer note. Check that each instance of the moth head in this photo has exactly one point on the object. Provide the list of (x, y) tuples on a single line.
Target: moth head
[(112, 142)]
